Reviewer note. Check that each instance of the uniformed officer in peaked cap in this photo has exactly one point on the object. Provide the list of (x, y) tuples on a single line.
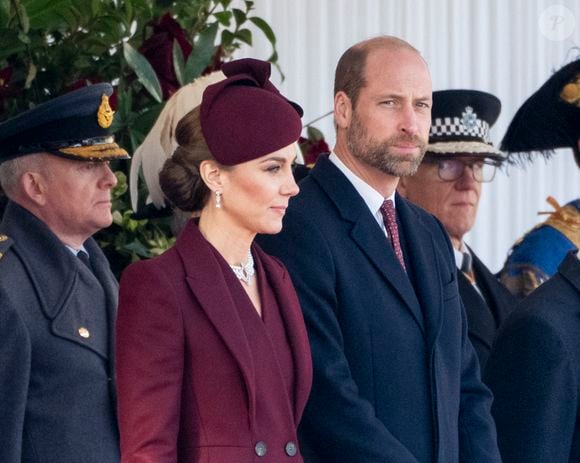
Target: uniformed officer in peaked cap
[(57, 294), (459, 158)]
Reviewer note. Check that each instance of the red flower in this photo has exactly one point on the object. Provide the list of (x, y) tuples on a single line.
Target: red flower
[(311, 149), (5, 77), (158, 49)]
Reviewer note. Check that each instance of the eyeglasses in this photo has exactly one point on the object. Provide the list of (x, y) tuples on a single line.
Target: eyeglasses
[(451, 169)]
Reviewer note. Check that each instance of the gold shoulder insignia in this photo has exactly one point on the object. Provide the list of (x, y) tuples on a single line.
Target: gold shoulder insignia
[(571, 92), (105, 113), (5, 243), (565, 219)]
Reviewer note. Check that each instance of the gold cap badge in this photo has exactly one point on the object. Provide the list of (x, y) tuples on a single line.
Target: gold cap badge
[(105, 113)]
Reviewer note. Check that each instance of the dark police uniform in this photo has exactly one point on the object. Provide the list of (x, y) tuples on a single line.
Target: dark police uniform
[(57, 398)]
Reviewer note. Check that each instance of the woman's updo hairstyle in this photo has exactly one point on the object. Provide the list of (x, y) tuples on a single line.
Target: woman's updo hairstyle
[(179, 178), (239, 119)]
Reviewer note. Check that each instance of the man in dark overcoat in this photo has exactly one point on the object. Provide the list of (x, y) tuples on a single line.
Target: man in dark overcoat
[(58, 296), (460, 158), (396, 378), (534, 366), (533, 371)]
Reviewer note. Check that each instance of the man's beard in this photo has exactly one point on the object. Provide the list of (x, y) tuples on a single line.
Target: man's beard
[(379, 155)]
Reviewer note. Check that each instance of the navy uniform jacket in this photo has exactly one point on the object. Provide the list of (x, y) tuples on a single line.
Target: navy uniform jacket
[(395, 376), (484, 314), (534, 372), (56, 384)]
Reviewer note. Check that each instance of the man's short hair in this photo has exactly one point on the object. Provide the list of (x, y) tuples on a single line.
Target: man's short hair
[(12, 171), (350, 70)]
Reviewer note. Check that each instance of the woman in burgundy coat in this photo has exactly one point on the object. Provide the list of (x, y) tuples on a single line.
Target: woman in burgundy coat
[(213, 362)]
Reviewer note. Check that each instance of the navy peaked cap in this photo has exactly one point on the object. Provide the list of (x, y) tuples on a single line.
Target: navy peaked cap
[(76, 125)]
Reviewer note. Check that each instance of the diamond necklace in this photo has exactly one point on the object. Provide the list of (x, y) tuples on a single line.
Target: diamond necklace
[(245, 271)]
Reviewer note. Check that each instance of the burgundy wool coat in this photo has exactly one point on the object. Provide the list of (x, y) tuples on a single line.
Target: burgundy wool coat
[(186, 376)]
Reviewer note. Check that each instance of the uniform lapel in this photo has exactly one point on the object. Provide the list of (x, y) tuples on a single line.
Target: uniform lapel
[(499, 300), (102, 271), (481, 323), (294, 325), (204, 276), (52, 270), (366, 233)]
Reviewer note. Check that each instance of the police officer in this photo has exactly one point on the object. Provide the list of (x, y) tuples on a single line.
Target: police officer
[(459, 158), (57, 294)]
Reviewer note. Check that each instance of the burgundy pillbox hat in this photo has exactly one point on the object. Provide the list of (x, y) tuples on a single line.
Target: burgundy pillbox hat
[(245, 117)]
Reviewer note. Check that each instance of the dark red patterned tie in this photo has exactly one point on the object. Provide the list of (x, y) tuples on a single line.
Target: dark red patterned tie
[(390, 219)]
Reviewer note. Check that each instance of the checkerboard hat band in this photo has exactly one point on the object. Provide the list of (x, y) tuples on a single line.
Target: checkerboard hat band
[(455, 127)]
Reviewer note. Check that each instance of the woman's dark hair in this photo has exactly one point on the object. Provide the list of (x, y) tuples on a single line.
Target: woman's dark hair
[(179, 178)]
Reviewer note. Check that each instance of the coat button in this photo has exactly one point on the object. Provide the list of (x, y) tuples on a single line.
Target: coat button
[(291, 449), (84, 333), (261, 449)]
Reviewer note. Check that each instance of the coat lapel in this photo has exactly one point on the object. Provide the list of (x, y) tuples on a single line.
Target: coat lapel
[(425, 265), (295, 328), (366, 233), (53, 272), (481, 323), (499, 300), (102, 271), (205, 277), (570, 270)]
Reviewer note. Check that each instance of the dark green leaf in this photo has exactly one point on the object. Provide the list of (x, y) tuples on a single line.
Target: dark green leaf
[(245, 35), (225, 3), (178, 63), (227, 38), (128, 10), (24, 20), (249, 5), (23, 38), (30, 75), (240, 17), (4, 12), (11, 43), (202, 53), (47, 14), (144, 71), (137, 247), (145, 120), (265, 28), (224, 17)]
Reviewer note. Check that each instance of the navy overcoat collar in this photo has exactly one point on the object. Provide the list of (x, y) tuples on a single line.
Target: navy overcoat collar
[(426, 300)]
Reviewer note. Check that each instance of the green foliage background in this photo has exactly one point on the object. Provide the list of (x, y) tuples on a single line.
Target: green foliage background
[(50, 47)]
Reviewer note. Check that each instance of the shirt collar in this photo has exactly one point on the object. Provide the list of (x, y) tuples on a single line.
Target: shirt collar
[(76, 251), (459, 254), (372, 198)]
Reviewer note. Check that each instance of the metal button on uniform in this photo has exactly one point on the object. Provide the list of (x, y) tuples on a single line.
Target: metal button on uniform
[(291, 449), (261, 449), (84, 333), (3, 238)]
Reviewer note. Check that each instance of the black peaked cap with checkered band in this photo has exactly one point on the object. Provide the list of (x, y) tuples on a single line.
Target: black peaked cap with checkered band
[(460, 124), (76, 125)]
